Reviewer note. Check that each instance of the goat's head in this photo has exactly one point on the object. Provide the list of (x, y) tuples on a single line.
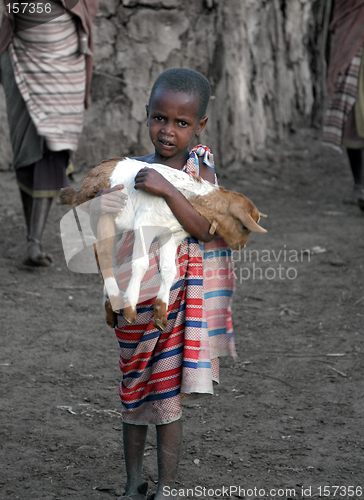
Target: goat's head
[(233, 217)]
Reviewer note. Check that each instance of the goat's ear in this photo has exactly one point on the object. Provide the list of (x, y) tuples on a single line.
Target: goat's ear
[(246, 219), (262, 215), (213, 227)]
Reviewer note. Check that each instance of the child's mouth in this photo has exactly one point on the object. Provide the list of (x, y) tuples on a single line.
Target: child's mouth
[(165, 142)]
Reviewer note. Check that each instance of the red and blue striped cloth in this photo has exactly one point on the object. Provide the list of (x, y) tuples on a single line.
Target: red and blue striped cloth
[(161, 369)]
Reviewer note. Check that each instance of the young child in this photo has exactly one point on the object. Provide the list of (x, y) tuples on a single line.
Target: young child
[(161, 369)]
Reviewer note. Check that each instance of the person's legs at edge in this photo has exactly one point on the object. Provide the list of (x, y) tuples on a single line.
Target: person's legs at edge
[(355, 160), (356, 165)]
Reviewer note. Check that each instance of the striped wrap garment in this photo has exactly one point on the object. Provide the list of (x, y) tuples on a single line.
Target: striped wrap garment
[(50, 73)]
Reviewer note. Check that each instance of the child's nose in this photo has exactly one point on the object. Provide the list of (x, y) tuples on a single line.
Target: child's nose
[(167, 129)]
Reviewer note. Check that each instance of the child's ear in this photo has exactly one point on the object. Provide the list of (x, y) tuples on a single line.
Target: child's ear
[(201, 126), (147, 110)]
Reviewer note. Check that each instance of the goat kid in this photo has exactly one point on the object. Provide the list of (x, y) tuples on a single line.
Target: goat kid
[(231, 215)]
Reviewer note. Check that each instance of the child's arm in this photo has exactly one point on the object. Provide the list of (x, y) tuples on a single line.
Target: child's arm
[(153, 182)]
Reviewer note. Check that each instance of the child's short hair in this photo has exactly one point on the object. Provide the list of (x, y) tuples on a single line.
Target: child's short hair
[(184, 80)]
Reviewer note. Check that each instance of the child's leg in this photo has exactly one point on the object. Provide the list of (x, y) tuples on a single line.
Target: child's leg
[(169, 440), (134, 437)]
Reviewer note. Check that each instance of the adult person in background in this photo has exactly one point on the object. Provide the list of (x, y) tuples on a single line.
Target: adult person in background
[(344, 121), (46, 67)]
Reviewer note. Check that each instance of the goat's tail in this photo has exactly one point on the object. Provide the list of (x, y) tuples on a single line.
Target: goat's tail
[(69, 196)]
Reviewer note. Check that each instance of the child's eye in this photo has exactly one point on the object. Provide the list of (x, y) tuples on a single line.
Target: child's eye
[(159, 118), (183, 123)]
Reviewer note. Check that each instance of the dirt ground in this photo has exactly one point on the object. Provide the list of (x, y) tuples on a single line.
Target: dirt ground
[(287, 419)]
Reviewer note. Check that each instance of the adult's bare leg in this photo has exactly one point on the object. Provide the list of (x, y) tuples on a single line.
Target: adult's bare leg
[(27, 203), (35, 256), (20, 249)]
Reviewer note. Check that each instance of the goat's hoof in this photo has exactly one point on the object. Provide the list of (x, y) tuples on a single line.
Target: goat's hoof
[(111, 322), (111, 319), (160, 315), (130, 314), (160, 324)]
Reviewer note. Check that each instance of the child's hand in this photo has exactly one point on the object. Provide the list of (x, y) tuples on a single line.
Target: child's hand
[(152, 181), (109, 200)]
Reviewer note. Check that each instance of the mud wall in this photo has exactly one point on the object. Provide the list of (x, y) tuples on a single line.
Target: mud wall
[(262, 58)]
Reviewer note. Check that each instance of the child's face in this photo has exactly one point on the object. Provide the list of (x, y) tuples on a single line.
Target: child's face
[(173, 122)]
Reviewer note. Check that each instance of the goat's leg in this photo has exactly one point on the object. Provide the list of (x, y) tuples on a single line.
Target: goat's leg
[(167, 255), (139, 266), (111, 317), (104, 246)]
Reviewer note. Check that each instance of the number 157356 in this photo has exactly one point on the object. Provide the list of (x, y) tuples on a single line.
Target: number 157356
[(340, 491), (29, 8)]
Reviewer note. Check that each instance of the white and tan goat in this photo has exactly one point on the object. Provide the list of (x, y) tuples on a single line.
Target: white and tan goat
[(231, 215)]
